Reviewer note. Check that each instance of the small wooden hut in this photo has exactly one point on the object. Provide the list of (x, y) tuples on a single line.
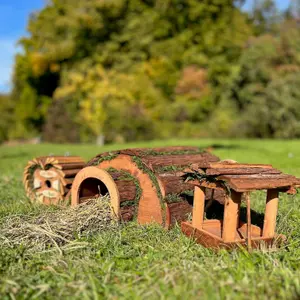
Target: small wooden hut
[(237, 181)]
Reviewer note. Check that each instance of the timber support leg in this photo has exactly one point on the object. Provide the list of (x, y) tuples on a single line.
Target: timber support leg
[(198, 207), (270, 213), (231, 216)]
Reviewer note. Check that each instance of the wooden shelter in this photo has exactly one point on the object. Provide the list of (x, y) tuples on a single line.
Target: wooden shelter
[(144, 183), (237, 181), (48, 179)]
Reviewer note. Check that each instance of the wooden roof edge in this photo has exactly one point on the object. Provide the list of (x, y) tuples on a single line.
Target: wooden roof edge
[(284, 187), (232, 164)]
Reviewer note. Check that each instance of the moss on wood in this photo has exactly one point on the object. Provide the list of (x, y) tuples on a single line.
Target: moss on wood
[(209, 178), (139, 163), (126, 176), (152, 152)]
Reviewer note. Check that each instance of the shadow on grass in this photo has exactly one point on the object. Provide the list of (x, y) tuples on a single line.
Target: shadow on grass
[(216, 211), (223, 147)]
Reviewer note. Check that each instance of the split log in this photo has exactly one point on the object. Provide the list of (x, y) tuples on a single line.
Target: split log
[(48, 179), (164, 197)]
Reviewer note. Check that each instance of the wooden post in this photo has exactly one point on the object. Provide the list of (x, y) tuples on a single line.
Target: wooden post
[(248, 203), (198, 207), (270, 213), (231, 216)]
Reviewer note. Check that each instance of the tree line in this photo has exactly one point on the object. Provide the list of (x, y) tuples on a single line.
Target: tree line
[(143, 69)]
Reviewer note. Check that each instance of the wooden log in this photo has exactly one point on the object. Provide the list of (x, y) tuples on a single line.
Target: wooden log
[(150, 207), (85, 187), (160, 151), (70, 166), (202, 160), (174, 184), (45, 175), (125, 184), (157, 173), (127, 213), (231, 216), (142, 152), (270, 213), (62, 159), (71, 173), (179, 211)]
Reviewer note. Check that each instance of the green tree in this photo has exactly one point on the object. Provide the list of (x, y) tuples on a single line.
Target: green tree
[(264, 90), (103, 55), (6, 120)]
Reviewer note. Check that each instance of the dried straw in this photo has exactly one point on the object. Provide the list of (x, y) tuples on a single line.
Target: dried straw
[(58, 229)]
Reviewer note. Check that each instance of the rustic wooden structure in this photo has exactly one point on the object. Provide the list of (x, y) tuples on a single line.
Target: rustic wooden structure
[(237, 180), (148, 184), (48, 179)]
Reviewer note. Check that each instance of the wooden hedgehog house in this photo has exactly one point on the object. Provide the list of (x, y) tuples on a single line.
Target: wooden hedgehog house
[(48, 179), (146, 184), (237, 181), (168, 185)]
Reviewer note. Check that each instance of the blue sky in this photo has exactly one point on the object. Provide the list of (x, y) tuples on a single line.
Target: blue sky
[(14, 15)]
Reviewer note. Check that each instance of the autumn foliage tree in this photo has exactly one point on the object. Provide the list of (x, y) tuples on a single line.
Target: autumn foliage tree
[(127, 59), (143, 69)]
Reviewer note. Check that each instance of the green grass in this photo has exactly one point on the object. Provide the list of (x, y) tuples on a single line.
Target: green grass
[(135, 262)]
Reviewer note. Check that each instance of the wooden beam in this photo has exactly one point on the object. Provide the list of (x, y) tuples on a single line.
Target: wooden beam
[(270, 213), (231, 216), (198, 207), (249, 225)]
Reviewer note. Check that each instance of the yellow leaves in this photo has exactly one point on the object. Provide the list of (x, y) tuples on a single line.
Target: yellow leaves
[(39, 64), (54, 68), (101, 93), (193, 83), (64, 91)]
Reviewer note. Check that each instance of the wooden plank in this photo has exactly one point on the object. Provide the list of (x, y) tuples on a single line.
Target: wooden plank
[(270, 214), (242, 183), (69, 166), (71, 173), (63, 159), (198, 207), (224, 165), (241, 171), (231, 216)]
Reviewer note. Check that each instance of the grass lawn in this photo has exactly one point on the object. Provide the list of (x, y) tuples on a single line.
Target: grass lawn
[(135, 262)]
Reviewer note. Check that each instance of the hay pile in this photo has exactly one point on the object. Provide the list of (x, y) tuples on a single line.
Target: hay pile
[(58, 230)]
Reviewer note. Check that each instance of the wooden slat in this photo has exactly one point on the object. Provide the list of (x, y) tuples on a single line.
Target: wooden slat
[(241, 171), (242, 183), (70, 166), (71, 173), (62, 159), (224, 165)]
